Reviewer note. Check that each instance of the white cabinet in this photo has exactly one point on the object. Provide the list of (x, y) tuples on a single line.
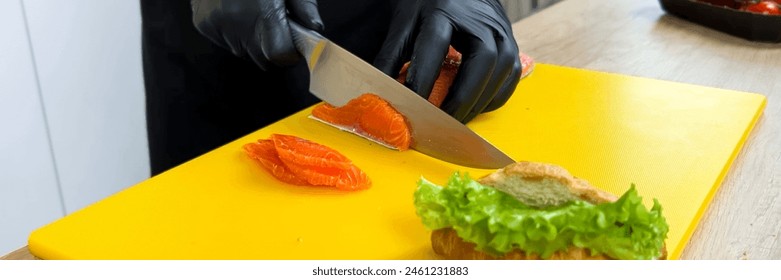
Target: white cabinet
[(29, 195), (88, 55)]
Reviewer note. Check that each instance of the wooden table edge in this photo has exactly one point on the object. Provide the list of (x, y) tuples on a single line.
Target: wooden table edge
[(20, 254)]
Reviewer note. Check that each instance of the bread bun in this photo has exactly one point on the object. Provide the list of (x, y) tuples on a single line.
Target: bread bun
[(544, 185), (535, 184)]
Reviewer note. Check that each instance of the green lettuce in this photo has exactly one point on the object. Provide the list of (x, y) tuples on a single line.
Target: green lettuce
[(497, 223)]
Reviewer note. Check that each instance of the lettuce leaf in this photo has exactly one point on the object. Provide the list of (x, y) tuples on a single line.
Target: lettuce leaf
[(497, 223)]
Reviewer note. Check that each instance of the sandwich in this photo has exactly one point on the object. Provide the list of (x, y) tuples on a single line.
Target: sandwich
[(530, 210)]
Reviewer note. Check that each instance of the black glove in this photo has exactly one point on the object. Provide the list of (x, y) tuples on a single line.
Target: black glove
[(256, 29), (422, 30)]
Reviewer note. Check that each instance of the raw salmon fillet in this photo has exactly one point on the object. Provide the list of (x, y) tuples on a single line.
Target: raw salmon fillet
[(298, 161), (371, 116)]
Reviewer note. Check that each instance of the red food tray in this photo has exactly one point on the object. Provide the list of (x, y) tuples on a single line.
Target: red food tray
[(747, 25)]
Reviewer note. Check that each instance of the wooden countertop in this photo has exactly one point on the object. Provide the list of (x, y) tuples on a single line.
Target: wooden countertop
[(638, 38)]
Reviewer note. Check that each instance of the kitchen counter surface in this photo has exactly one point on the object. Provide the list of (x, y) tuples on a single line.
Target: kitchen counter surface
[(638, 38)]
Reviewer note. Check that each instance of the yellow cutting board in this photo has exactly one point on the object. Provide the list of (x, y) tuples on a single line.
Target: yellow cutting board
[(674, 141)]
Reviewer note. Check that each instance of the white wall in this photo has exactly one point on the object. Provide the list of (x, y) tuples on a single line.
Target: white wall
[(80, 61), (29, 194), (88, 56)]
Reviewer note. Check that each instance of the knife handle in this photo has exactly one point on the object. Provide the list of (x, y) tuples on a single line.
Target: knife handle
[(307, 42)]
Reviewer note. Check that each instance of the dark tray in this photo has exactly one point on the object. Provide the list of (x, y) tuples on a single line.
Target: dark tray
[(751, 26)]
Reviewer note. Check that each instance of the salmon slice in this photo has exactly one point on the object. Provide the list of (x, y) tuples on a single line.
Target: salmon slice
[(298, 161), (447, 75), (264, 152), (293, 149), (527, 64), (371, 116), (345, 179)]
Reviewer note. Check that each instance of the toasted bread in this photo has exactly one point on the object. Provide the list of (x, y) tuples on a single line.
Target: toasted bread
[(535, 184)]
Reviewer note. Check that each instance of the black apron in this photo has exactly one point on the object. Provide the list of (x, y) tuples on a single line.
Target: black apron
[(199, 96)]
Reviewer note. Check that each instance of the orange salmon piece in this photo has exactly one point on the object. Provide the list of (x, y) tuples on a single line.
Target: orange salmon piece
[(298, 161), (264, 152), (308, 153), (370, 116), (381, 121), (350, 179), (447, 75)]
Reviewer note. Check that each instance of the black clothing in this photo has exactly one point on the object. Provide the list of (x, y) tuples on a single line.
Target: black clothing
[(200, 96)]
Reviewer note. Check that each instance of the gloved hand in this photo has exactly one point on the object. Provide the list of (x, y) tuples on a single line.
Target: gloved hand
[(256, 29), (422, 30)]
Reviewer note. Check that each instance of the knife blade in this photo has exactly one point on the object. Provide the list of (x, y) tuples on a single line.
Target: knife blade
[(337, 76)]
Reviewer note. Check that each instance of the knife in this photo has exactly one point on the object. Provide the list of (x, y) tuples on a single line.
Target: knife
[(337, 76)]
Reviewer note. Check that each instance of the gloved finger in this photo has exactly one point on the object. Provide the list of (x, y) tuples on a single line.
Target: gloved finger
[(210, 31), (397, 47), (477, 67), (275, 38), (305, 12), (431, 46), (203, 11), (507, 57), (255, 52), (507, 89)]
